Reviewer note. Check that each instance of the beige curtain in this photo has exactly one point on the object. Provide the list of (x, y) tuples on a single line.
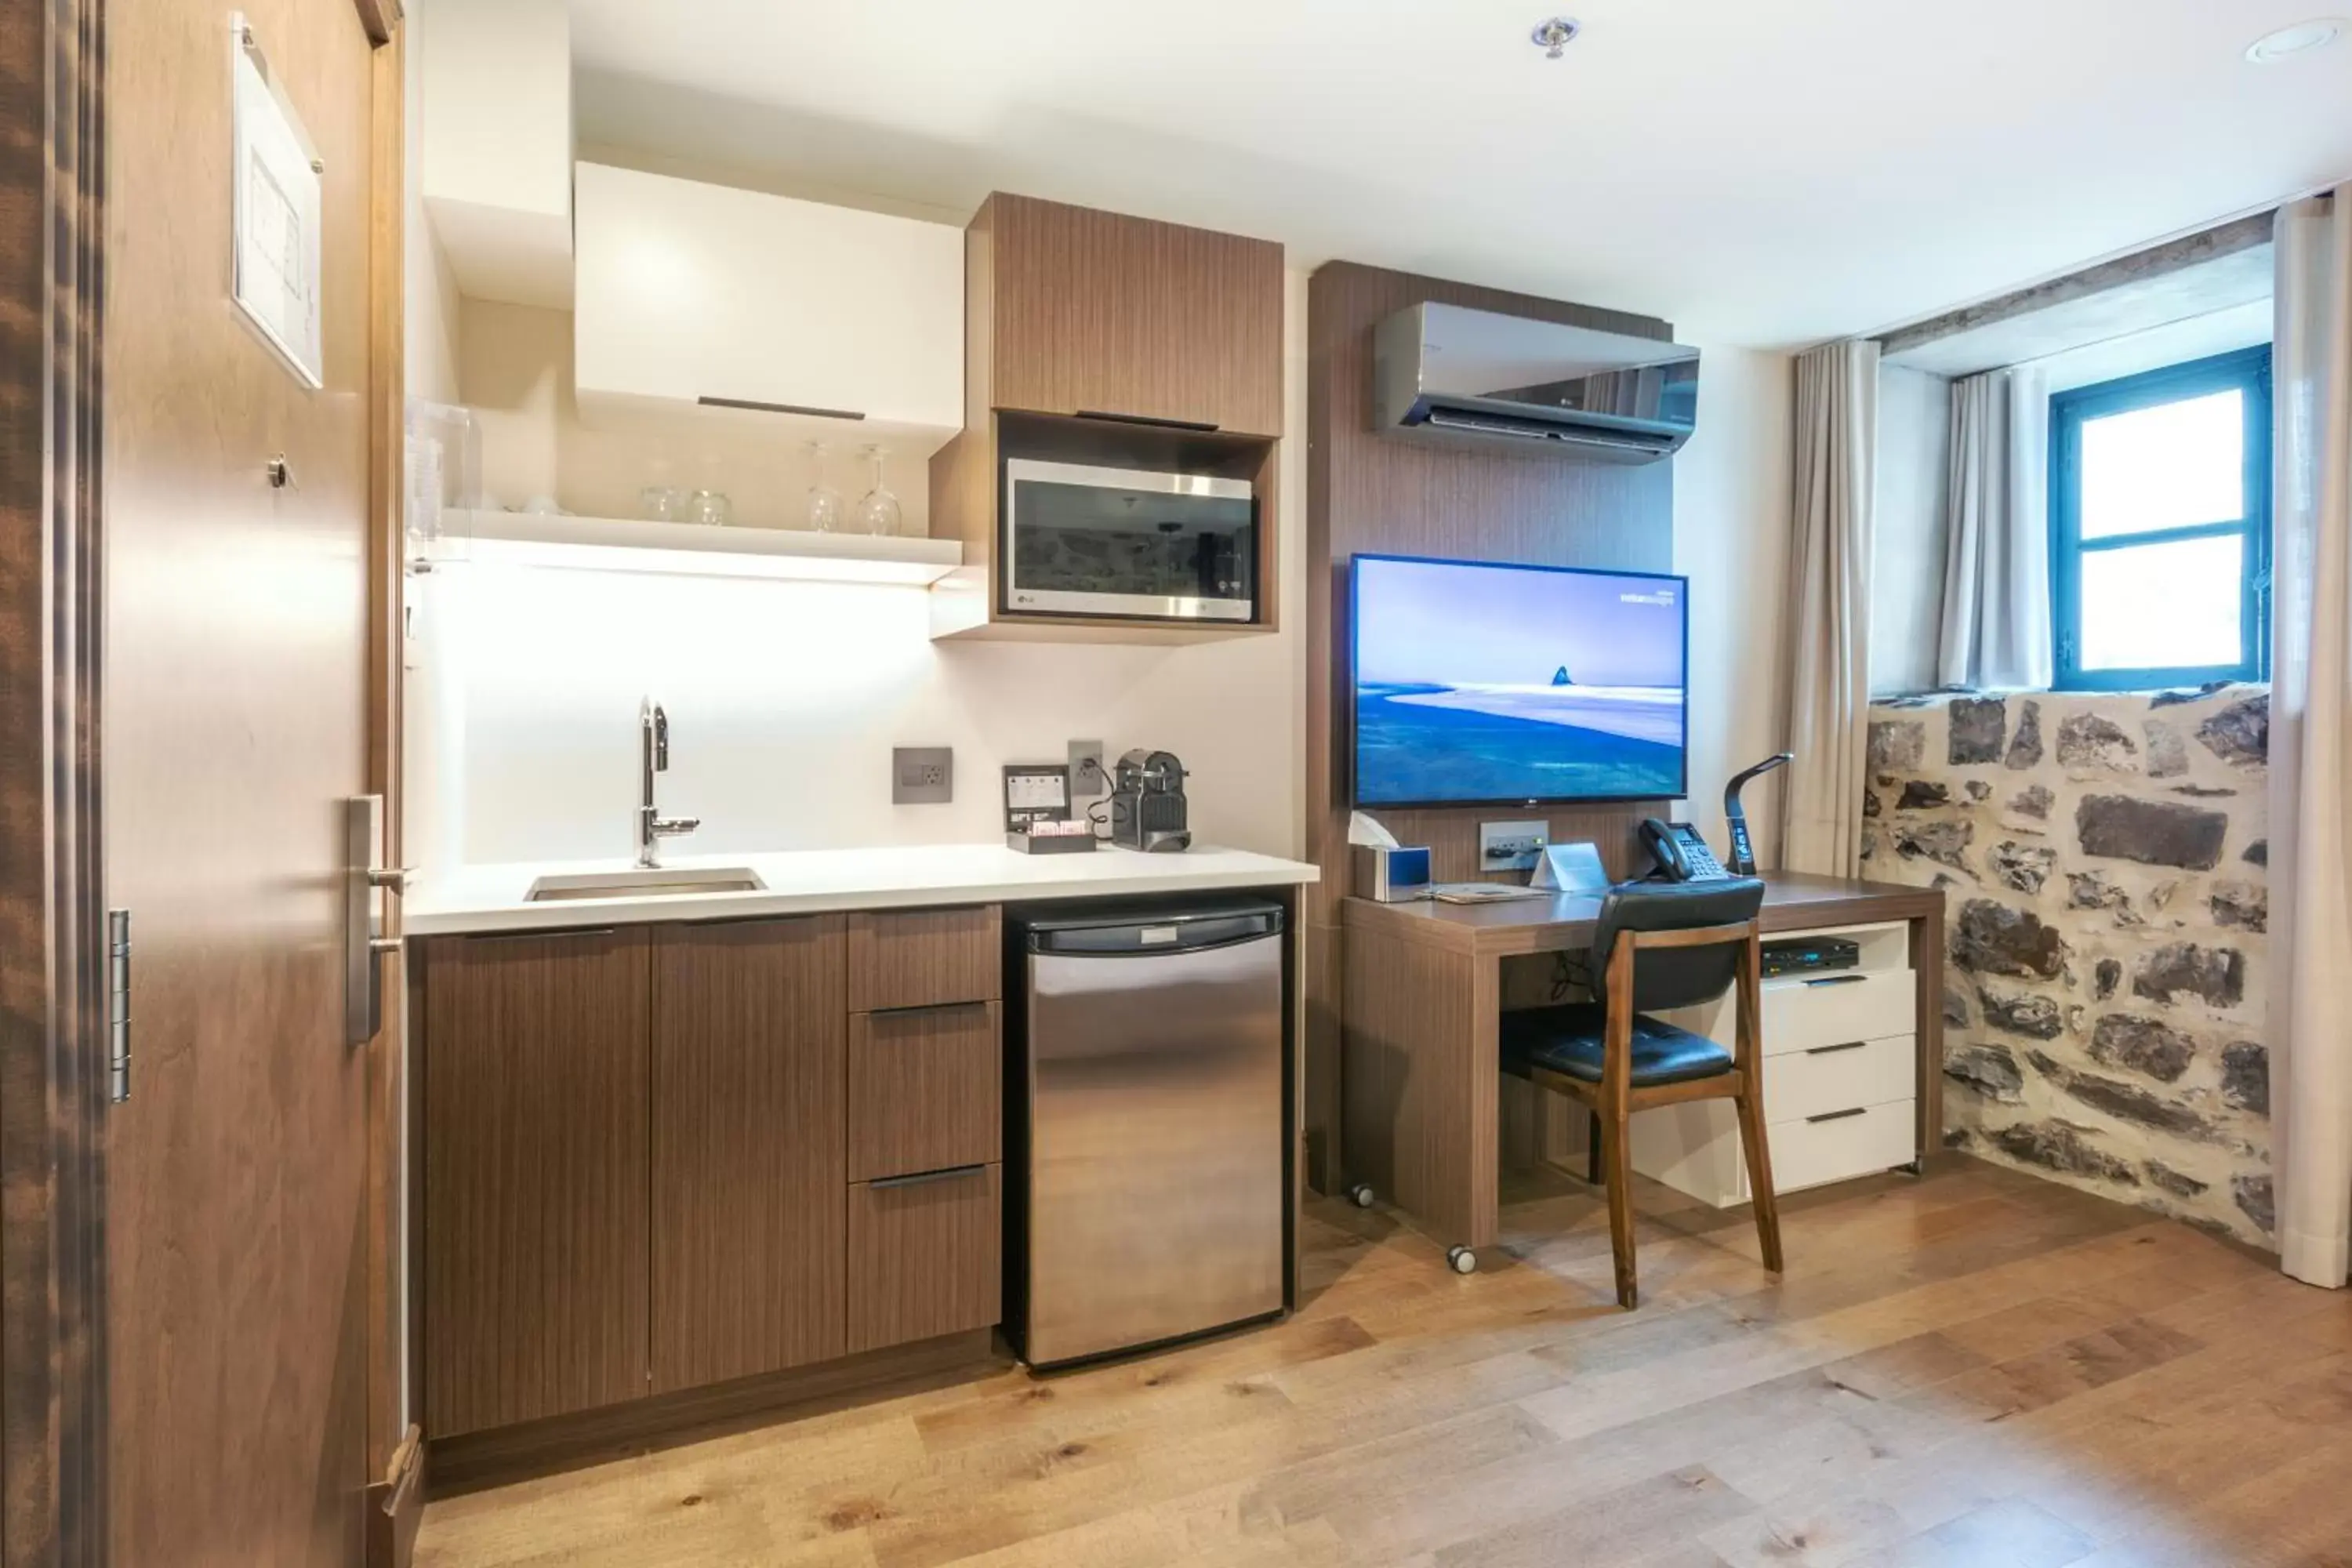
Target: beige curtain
[(1836, 425), (2310, 741), (1996, 630)]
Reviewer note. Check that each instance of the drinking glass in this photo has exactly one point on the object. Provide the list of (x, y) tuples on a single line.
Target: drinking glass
[(662, 503), (879, 511), (710, 508), (828, 513)]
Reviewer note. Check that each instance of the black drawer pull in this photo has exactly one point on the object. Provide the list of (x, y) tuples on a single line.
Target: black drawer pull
[(1826, 1116), (946, 1175), (1833, 1050), (543, 934), (1838, 979), (752, 406), (924, 1008), (1155, 421)]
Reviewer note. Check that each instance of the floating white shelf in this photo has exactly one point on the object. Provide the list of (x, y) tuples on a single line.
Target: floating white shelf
[(621, 544)]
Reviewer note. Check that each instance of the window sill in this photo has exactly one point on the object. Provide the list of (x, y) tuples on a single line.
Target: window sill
[(2174, 695)]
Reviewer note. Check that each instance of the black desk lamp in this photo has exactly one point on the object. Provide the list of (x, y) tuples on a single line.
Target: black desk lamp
[(1743, 851)]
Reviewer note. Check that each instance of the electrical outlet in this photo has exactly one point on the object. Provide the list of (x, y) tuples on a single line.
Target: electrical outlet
[(1087, 778), (922, 775), (1511, 845)]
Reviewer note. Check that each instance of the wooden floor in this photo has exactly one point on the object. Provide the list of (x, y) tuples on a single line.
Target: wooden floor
[(1977, 1368)]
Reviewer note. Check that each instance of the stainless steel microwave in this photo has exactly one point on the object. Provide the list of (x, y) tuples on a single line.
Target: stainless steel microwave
[(1083, 541)]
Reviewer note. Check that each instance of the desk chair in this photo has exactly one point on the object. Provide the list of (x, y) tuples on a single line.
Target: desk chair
[(1657, 946)]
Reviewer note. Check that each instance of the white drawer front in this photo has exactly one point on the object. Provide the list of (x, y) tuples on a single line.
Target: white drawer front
[(1836, 1009), (1811, 1154), (1797, 1084)]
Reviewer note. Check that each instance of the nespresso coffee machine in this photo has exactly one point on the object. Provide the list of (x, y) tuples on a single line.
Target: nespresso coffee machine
[(1147, 803)]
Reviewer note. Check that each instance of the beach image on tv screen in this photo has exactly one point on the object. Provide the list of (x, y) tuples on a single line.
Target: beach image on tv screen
[(1497, 683)]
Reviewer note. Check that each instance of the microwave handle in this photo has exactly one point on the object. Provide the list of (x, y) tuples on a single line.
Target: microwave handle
[(1155, 423)]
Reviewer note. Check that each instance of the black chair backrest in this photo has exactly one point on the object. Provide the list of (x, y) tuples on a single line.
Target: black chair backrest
[(1675, 976)]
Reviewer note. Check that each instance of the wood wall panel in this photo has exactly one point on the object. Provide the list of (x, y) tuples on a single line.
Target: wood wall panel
[(926, 1090), (749, 1168), (536, 1174), (1368, 494), (925, 958)]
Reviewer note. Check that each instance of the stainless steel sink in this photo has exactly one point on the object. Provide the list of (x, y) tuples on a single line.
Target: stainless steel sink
[(662, 882)]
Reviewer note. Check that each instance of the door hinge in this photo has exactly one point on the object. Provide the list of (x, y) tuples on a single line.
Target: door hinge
[(117, 1005)]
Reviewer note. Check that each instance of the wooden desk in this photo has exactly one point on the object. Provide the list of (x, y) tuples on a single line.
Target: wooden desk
[(1422, 1002)]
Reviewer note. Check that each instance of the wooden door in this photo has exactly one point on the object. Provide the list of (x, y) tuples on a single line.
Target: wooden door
[(535, 1170), (749, 1148), (233, 727), (1099, 313)]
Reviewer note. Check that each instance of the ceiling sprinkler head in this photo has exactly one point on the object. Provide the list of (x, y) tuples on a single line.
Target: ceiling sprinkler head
[(1554, 36)]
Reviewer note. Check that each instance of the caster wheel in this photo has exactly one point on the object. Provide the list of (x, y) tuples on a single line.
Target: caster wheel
[(1462, 1260), (1360, 1195)]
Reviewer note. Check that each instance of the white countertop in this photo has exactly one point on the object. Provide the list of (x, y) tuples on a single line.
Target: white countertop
[(811, 881)]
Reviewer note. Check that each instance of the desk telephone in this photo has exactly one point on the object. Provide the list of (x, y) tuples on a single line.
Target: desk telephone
[(1681, 854)]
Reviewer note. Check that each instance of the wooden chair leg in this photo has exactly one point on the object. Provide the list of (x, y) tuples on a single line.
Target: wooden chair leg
[(1621, 1208), (1592, 1147), (1760, 1180)]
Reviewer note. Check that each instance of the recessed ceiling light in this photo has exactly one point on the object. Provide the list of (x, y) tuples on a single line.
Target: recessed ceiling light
[(1555, 36), (2300, 39)]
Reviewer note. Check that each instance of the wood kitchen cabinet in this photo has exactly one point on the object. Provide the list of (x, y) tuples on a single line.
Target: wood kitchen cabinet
[(535, 1243), (1097, 338), (1094, 313), (674, 1165), (750, 1156)]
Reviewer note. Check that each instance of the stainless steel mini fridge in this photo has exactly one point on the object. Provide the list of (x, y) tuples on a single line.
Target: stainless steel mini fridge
[(1146, 1104)]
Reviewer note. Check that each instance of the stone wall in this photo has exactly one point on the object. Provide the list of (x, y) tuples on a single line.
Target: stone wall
[(2103, 857)]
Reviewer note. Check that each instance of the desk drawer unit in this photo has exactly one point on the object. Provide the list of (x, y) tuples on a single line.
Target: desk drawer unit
[(1837, 1145), (1803, 1013), (1841, 1089), (1797, 1084)]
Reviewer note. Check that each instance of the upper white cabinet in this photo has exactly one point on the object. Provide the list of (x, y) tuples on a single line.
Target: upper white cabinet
[(843, 324)]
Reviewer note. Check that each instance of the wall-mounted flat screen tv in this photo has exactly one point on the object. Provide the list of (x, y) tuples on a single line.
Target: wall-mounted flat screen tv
[(1479, 683)]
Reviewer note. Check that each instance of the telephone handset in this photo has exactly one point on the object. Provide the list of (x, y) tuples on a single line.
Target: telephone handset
[(1681, 854)]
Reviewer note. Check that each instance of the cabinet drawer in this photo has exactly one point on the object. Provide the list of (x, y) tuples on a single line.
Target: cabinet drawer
[(924, 1253), (1797, 1084), (925, 1090), (1846, 1145), (1837, 1009), (924, 958)]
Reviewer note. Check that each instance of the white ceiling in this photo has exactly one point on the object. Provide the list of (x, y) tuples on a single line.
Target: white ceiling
[(1757, 173)]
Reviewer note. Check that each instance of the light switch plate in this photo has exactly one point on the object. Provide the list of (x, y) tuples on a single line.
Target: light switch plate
[(1511, 845), (922, 775)]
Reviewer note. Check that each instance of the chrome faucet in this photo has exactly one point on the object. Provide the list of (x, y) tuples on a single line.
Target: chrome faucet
[(652, 825)]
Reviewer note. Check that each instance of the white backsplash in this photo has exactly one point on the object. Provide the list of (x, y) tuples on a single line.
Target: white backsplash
[(785, 700)]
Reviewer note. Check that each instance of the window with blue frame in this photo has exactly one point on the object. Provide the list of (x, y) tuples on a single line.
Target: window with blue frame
[(2160, 515)]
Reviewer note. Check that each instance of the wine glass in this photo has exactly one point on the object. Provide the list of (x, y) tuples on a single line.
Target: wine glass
[(879, 511), (826, 512)]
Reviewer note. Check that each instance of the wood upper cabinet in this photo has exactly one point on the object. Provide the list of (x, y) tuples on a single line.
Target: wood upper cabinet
[(750, 1149), (534, 1226), (1088, 312)]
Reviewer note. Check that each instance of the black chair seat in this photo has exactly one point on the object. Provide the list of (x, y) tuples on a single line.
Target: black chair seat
[(1568, 1040)]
